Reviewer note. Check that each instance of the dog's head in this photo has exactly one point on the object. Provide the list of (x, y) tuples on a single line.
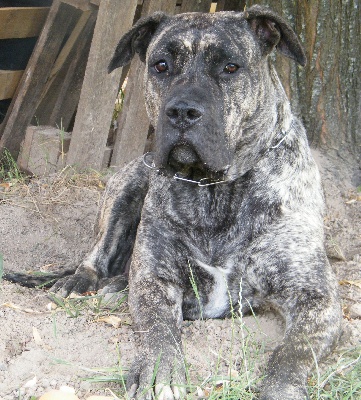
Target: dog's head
[(207, 84)]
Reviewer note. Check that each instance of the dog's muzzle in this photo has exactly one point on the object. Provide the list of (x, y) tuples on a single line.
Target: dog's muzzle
[(186, 135)]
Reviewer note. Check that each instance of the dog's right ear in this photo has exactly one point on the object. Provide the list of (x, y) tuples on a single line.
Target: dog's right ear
[(136, 41)]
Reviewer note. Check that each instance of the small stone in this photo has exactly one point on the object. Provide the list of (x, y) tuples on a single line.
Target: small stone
[(31, 383), (355, 311), (45, 383)]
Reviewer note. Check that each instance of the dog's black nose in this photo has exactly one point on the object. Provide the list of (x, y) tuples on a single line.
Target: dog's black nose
[(183, 115)]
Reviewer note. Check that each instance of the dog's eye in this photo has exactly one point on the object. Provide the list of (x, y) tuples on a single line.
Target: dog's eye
[(230, 68), (161, 66)]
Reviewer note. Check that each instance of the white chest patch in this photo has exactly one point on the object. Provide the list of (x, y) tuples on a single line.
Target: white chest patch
[(218, 299)]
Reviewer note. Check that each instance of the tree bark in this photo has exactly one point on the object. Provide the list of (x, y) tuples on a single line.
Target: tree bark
[(327, 92)]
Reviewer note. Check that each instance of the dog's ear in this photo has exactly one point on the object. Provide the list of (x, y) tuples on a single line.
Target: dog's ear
[(136, 41), (273, 31)]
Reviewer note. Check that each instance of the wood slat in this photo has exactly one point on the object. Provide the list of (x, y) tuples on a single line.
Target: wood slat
[(24, 103), (83, 5), (195, 6), (9, 81), (60, 99), (22, 22), (231, 5), (99, 88), (133, 121), (66, 50)]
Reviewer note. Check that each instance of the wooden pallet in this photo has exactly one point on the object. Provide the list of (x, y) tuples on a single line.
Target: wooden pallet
[(69, 21)]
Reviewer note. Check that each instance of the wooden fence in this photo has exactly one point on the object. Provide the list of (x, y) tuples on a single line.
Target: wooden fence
[(66, 85)]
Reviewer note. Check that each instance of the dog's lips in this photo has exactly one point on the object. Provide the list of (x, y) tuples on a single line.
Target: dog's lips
[(183, 154), (184, 162)]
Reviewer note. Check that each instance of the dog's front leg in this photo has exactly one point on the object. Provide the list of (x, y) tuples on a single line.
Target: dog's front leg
[(313, 318), (156, 307), (116, 228)]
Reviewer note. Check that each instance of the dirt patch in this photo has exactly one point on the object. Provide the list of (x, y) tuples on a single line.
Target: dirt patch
[(48, 224)]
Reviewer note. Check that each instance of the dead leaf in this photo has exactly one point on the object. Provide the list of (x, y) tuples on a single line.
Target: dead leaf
[(111, 320), (352, 283)]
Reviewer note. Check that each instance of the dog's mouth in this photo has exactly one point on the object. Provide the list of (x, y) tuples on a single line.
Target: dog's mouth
[(185, 164)]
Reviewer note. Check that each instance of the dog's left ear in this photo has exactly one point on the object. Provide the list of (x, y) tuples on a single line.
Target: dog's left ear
[(136, 41), (273, 31)]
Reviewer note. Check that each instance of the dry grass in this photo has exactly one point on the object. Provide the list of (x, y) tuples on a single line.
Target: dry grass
[(38, 194)]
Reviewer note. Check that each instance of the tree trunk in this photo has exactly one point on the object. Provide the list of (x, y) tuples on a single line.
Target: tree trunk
[(327, 92)]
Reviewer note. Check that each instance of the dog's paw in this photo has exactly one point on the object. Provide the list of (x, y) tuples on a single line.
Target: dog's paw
[(163, 378), (84, 280), (113, 285)]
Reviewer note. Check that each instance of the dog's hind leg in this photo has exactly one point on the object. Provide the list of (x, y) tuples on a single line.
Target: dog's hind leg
[(115, 231)]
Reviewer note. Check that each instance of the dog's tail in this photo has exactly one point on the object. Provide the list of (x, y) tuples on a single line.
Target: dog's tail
[(37, 279)]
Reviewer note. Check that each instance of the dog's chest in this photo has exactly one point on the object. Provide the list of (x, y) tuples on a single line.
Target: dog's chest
[(212, 230)]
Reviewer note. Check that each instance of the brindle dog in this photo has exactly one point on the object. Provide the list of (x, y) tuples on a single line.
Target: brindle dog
[(231, 196)]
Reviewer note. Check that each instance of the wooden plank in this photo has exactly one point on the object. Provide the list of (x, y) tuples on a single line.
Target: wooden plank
[(151, 6), (99, 89), (22, 22), (43, 150), (69, 95), (61, 95), (83, 5), (230, 5), (133, 121), (71, 41), (9, 81), (195, 6), (65, 51), (35, 76), (213, 7)]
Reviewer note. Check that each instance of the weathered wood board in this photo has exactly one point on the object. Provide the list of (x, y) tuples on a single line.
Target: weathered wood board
[(99, 89), (9, 81), (22, 22)]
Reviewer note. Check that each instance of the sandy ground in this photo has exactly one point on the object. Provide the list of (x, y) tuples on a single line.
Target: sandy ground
[(48, 224)]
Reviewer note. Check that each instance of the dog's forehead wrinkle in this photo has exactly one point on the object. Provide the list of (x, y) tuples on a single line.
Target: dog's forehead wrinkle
[(212, 36)]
